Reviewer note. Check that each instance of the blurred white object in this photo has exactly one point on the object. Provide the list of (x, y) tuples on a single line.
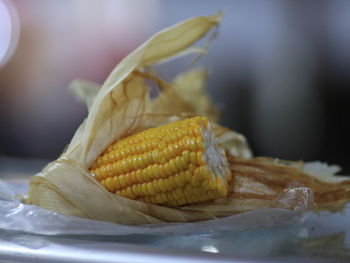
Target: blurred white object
[(9, 31)]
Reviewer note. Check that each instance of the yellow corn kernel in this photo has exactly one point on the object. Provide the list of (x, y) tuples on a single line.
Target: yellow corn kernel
[(129, 193), (179, 164), (97, 173), (150, 188), (179, 180), (144, 189), (186, 156), (187, 176), (109, 184), (200, 158), (135, 162), (221, 186), (195, 182), (116, 184), (135, 190), (161, 184), (128, 179), (122, 181), (167, 184), (193, 158), (145, 175), (171, 182), (139, 176), (172, 166)]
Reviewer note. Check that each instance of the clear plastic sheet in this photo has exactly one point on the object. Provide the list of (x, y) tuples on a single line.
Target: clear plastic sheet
[(28, 218)]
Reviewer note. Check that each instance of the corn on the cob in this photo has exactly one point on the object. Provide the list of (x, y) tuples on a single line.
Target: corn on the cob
[(175, 164)]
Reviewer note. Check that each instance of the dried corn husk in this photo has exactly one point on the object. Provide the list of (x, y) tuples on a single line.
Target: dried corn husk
[(122, 106)]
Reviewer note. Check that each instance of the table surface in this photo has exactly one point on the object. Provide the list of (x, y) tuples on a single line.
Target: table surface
[(325, 237)]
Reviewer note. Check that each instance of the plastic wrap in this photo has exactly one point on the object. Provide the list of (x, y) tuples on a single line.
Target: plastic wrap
[(265, 233), (28, 218)]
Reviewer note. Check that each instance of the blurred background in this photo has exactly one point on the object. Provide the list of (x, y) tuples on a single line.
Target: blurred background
[(280, 69)]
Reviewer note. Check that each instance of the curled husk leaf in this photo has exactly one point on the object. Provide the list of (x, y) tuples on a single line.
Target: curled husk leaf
[(123, 105)]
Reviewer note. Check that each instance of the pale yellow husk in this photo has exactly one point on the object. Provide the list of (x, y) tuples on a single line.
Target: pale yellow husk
[(122, 106)]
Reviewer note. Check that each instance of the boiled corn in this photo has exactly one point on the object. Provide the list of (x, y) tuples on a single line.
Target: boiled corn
[(175, 164)]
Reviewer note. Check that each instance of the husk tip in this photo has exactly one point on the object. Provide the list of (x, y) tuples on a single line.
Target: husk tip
[(218, 16)]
